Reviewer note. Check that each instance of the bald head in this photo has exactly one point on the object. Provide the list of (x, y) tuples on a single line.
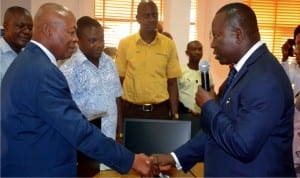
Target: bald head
[(241, 15), (51, 13), (55, 28)]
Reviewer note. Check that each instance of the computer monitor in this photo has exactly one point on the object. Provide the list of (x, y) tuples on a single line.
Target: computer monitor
[(155, 136)]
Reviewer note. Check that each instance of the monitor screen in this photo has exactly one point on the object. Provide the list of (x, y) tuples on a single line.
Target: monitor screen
[(155, 136)]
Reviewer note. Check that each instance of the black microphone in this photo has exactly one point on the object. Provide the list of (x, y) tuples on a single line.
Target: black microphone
[(204, 67)]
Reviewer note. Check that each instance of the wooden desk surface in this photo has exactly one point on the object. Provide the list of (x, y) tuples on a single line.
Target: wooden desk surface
[(196, 171)]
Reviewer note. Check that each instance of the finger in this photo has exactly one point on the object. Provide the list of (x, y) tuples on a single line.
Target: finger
[(152, 159), (155, 170), (165, 168)]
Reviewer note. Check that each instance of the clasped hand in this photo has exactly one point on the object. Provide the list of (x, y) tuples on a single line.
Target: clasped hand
[(143, 165), (152, 166)]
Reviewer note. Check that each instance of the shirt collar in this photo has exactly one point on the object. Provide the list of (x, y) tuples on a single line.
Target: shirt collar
[(139, 39), (81, 58), (45, 50), (243, 60), (5, 47)]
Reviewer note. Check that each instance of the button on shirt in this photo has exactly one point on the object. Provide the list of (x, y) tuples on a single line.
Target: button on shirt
[(94, 89)]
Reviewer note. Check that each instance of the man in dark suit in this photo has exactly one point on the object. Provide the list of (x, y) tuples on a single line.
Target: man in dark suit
[(41, 126), (249, 131)]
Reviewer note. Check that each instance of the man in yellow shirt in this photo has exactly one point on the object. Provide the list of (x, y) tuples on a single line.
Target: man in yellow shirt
[(148, 66), (190, 79), (188, 85)]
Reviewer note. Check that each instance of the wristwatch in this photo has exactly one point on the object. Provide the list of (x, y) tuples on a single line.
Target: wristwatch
[(175, 116), (120, 135)]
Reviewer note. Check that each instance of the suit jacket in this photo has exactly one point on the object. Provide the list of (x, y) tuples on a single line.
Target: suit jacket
[(41, 126), (249, 132)]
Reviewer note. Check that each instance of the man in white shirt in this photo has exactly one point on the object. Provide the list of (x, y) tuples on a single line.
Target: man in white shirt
[(93, 79), (17, 24)]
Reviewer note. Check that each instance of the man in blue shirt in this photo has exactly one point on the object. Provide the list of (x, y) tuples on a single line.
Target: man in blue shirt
[(17, 25), (93, 78)]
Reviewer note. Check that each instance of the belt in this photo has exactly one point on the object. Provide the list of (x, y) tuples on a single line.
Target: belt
[(194, 113), (146, 107)]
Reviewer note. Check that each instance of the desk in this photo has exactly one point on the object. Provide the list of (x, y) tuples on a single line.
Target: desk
[(196, 171)]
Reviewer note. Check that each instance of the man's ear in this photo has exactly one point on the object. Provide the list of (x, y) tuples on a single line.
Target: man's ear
[(5, 25), (47, 30), (239, 35)]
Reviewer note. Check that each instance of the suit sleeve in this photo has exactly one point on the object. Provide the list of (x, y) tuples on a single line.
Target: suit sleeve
[(56, 107), (192, 152)]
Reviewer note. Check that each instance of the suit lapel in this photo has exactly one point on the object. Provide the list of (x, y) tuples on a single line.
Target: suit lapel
[(251, 60)]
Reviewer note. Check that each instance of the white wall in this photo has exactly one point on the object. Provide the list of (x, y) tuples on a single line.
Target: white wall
[(176, 22), (78, 7)]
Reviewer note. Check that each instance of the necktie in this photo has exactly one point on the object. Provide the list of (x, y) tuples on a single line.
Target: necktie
[(229, 79)]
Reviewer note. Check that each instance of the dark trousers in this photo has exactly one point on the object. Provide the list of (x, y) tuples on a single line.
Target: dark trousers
[(88, 167), (146, 111), (195, 121), (187, 115)]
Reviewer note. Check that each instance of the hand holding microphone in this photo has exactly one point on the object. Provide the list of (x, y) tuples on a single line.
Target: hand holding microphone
[(204, 68), (205, 94)]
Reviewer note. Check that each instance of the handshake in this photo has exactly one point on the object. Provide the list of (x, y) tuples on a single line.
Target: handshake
[(151, 166)]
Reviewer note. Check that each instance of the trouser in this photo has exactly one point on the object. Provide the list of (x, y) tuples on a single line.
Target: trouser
[(88, 167)]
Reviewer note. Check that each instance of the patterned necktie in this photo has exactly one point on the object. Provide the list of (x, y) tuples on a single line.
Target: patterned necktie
[(229, 79)]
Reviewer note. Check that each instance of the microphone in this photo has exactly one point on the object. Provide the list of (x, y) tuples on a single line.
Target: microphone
[(204, 67)]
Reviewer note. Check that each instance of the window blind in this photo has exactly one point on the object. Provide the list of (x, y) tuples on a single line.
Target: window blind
[(277, 20), (118, 18), (193, 34)]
